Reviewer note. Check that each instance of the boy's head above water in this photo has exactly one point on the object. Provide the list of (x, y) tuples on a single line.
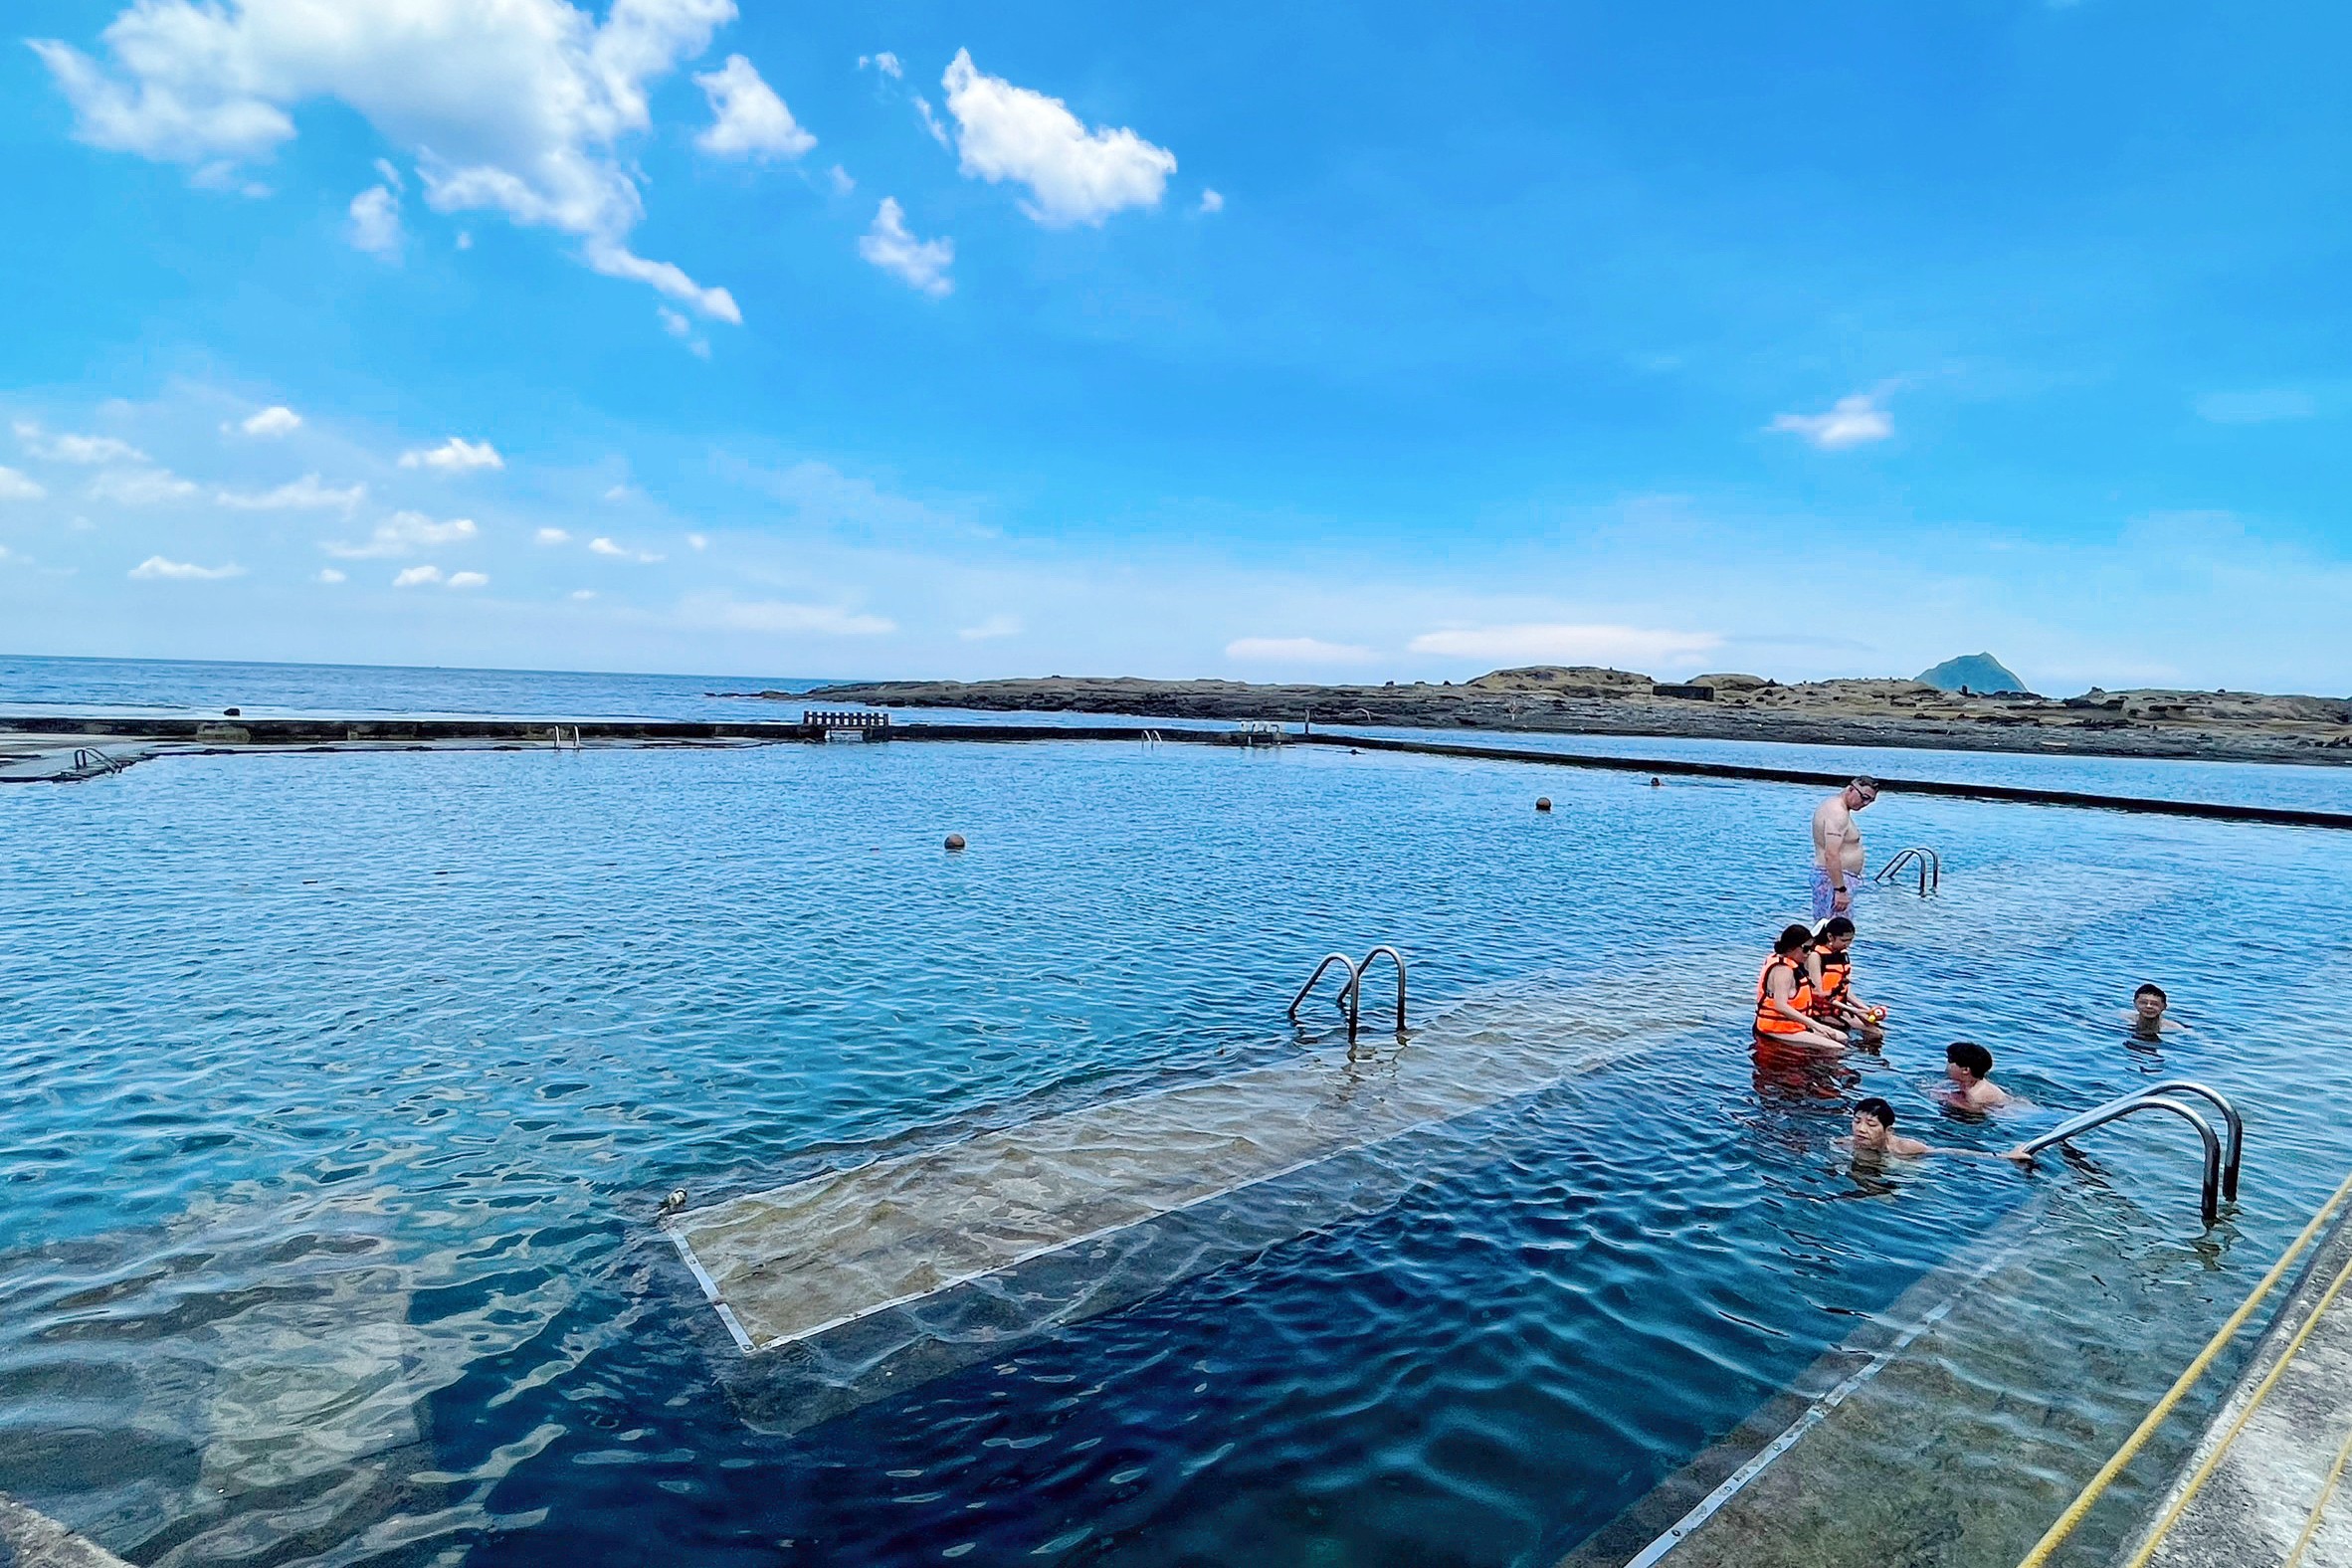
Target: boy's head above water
[(1967, 1063), (1873, 1124), (2149, 1001)]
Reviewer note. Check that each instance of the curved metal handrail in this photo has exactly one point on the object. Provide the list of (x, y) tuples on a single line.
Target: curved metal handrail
[(2210, 1195), (89, 759), (1365, 969), (1351, 997), (2233, 1122), (1931, 868)]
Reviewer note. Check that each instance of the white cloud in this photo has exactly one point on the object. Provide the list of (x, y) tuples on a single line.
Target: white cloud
[(86, 450), (748, 121), (403, 532), (518, 106), (937, 131), (1851, 422), (695, 541), (1211, 201), (921, 263), (391, 175), (9, 557), (583, 594), (672, 322), (15, 487), (468, 580), (1076, 175), (622, 552), (552, 537), (327, 574), (1295, 651), (273, 422), (886, 62), (720, 613), (155, 568), (416, 576), (306, 493), (140, 487), (994, 627), (2256, 408), (842, 183), (374, 223), (455, 456), (1568, 645)]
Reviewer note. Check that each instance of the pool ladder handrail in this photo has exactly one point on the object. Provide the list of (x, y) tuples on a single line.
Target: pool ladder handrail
[(1931, 868), (89, 762), (2220, 1171), (1352, 995)]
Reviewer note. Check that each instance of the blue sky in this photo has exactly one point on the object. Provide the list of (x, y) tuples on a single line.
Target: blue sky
[(1372, 342)]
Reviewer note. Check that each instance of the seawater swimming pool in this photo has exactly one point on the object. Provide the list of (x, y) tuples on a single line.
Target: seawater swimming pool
[(344, 1089)]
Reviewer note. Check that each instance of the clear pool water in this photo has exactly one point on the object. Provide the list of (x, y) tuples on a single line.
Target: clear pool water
[(343, 1091)]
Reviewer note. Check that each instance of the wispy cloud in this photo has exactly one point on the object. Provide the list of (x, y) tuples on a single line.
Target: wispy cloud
[(2256, 408), (306, 493), (455, 456), (372, 223), (63, 447), (273, 422), (720, 612), (919, 264), (157, 568), (748, 120), (884, 61), (140, 487), (994, 627), (15, 487), (403, 534), (1851, 422), (1295, 651), (622, 552), (552, 537), (1567, 645)]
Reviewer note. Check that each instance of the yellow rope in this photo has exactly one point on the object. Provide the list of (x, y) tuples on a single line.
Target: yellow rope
[(2327, 1492), (2066, 1522), (2205, 1468)]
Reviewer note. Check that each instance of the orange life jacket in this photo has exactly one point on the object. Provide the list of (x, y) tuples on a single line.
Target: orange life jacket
[(1837, 977), (1771, 1019)]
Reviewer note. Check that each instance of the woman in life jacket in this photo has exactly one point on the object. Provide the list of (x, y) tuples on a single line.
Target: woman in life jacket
[(1829, 967), (1784, 997)]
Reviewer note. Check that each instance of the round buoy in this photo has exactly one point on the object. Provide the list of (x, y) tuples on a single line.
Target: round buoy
[(956, 841), (1544, 803)]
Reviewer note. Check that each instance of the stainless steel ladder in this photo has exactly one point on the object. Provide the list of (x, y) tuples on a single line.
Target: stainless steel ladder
[(1352, 995), (2221, 1164), (1930, 864)]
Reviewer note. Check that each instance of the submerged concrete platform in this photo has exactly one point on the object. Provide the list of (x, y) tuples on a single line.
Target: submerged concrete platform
[(31, 1539), (860, 1282), (2265, 1481)]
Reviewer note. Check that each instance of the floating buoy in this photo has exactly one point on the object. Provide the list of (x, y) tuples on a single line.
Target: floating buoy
[(1544, 803), (956, 841)]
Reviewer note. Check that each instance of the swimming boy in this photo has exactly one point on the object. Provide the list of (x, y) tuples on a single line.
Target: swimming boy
[(1874, 1131), (2147, 1018), (1970, 1068), (1875, 1136), (1784, 997), (1830, 968)]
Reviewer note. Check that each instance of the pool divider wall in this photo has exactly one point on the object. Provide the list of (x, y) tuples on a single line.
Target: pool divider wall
[(317, 734)]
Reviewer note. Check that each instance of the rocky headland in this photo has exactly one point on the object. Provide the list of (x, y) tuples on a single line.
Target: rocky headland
[(2215, 725)]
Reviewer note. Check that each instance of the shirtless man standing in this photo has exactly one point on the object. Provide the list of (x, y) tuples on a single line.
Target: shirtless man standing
[(1838, 849)]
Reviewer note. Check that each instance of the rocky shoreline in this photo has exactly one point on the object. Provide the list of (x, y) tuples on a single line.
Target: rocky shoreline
[(2219, 726)]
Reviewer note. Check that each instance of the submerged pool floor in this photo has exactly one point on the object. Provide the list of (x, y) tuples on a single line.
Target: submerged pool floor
[(344, 1091)]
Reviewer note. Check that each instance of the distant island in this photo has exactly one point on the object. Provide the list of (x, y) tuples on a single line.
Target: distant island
[(2216, 725), (1972, 673)]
